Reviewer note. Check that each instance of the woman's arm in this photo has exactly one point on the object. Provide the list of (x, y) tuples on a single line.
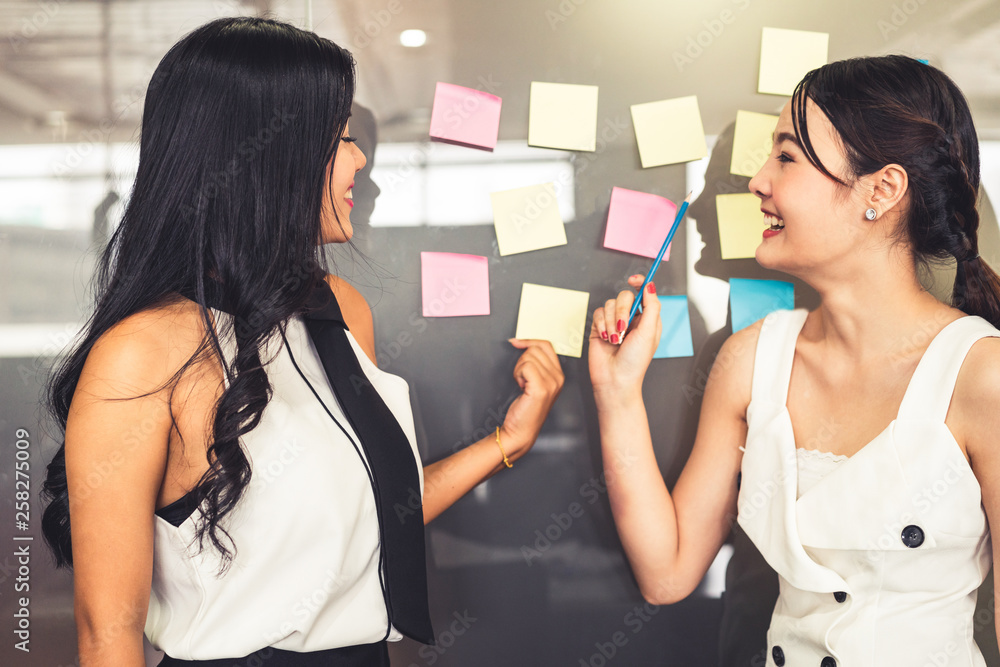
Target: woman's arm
[(116, 454), (670, 540), (540, 377), (974, 419), (537, 372)]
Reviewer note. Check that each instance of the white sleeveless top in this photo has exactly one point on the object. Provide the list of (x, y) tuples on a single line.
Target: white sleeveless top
[(305, 576), (812, 466), (879, 560)]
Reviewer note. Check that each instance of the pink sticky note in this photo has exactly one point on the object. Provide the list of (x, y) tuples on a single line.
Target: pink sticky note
[(454, 285), (639, 222), (465, 116)]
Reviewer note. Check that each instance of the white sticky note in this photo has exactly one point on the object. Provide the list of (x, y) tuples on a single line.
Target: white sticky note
[(751, 142), (554, 314), (669, 131), (527, 219), (563, 115), (788, 55)]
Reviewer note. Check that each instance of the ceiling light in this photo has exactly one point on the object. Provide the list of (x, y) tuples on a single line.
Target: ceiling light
[(413, 38)]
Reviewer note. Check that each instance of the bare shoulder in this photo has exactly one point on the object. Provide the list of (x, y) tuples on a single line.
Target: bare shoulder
[(357, 313), (975, 406), (733, 366), (143, 351)]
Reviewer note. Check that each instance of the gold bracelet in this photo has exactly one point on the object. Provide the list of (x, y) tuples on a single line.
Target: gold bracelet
[(502, 452)]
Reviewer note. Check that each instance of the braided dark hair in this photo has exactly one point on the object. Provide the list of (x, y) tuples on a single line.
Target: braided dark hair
[(897, 110)]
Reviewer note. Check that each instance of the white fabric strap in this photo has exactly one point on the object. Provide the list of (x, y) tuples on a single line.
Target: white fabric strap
[(928, 395), (772, 369)]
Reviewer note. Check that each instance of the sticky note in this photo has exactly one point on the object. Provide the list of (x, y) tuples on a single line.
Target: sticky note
[(527, 219), (465, 116), (454, 285), (639, 222), (675, 340), (750, 300), (741, 224), (751, 142), (788, 55), (669, 131), (553, 314), (563, 115)]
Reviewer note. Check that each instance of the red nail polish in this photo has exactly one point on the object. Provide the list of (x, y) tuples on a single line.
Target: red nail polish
[(621, 325), (614, 338), (651, 288), (604, 335)]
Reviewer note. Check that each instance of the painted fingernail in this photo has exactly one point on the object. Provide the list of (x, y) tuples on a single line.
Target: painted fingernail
[(604, 335), (614, 338), (651, 288), (621, 325)]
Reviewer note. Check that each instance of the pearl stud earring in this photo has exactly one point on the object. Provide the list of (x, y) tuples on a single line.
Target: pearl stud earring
[(870, 214)]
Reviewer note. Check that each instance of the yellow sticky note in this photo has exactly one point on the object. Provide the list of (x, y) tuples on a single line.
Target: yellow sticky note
[(788, 55), (563, 115), (527, 219), (669, 131), (751, 142), (554, 314), (741, 224)]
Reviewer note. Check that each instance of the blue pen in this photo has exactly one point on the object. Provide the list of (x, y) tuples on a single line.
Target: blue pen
[(659, 256)]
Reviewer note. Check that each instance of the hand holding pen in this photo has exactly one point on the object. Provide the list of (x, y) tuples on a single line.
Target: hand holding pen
[(624, 369)]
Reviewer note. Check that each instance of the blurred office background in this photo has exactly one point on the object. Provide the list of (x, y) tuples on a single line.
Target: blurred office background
[(72, 80)]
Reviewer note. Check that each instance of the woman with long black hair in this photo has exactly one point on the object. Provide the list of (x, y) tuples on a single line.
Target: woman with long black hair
[(238, 479), (856, 444)]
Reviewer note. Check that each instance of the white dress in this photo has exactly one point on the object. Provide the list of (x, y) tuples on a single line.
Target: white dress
[(305, 576), (879, 561)]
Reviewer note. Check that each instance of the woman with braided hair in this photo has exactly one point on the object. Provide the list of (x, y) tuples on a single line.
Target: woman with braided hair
[(856, 444)]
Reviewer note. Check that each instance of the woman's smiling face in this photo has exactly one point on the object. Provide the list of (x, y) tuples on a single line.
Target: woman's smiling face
[(811, 219), (337, 197)]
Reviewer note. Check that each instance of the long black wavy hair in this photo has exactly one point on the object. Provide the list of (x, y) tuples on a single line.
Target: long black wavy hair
[(897, 110), (241, 118)]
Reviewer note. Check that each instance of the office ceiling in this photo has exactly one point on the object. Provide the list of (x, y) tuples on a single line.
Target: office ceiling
[(76, 70)]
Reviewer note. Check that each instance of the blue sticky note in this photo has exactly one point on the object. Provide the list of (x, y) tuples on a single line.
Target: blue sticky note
[(750, 300), (924, 61), (675, 341)]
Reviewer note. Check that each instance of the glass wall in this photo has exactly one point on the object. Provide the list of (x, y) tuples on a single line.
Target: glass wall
[(527, 569)]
